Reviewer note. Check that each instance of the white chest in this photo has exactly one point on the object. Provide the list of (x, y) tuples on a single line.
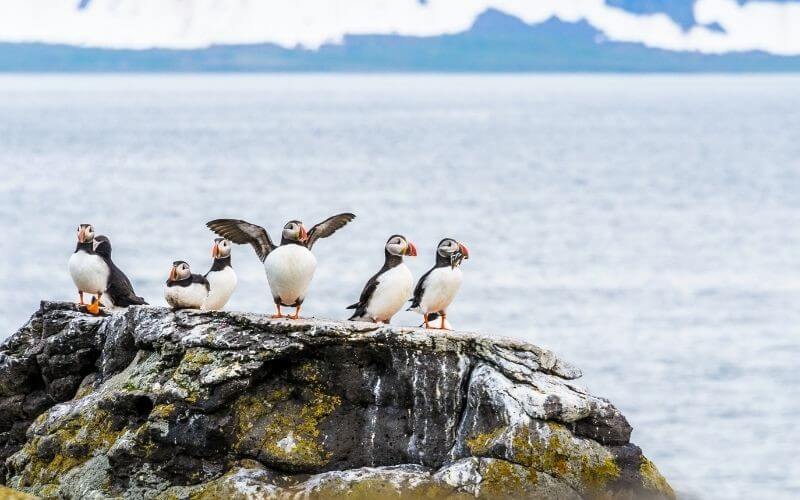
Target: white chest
[(186, 297), (89, 272), (393, 290), (221, 286), (289, 272), (441, 288)]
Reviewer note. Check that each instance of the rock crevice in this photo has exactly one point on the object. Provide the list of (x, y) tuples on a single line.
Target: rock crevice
[(151, 403)]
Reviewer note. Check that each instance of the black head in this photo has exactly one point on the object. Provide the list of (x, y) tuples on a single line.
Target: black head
[(294, 230), (85, 233), (180, 271), (398, 245), (102, 245), (452, 251)]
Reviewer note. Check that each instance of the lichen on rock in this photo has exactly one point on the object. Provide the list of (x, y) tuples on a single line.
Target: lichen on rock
[(153, 403)]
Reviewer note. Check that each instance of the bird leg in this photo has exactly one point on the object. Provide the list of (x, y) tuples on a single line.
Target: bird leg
[(425, 319), (278, 315), (94, 307), (80, 298), (296, 313), (444, 316)]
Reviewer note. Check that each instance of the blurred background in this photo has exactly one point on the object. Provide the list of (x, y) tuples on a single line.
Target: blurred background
[(625, 173)]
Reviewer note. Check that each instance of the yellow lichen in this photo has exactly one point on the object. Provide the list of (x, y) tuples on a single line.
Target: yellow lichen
[(500, 479), (9, 494), (652, 478), (286, 428), (557, 456), (162, 411), (480, 443), (76, 441)]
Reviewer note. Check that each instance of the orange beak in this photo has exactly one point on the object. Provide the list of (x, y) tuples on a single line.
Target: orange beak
[(463, 250), (215, 250), (173, 274), (81, 235), (303, 233), (411, 250)]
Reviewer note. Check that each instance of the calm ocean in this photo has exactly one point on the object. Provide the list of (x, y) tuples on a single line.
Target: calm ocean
[(646, 228)]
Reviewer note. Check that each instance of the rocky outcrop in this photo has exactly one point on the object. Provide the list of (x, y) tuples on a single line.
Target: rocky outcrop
[(151, 403)]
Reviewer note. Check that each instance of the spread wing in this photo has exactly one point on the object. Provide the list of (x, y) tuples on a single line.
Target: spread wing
[(328, 227), (241, 232)]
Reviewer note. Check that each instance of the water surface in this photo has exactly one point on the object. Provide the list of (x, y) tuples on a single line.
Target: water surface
[(644, 227)]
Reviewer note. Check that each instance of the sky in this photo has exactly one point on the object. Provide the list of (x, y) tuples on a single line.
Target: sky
[(722, 25)]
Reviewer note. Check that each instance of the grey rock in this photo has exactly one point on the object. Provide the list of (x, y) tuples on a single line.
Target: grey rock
[(151, 403)]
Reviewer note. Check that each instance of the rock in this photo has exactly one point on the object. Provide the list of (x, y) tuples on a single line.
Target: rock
[(151, 403)]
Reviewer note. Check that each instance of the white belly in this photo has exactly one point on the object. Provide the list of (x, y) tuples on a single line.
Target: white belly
[(289, 272), (393, 290), (441, 288), (222, 284), (89, 272), (186, 297)]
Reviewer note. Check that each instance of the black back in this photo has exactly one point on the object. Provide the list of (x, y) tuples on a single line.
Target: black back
[(193, 278), (119, 287), (419, 290), (389, 262)]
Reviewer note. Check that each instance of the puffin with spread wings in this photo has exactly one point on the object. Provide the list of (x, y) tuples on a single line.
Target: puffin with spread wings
[(290, 266)]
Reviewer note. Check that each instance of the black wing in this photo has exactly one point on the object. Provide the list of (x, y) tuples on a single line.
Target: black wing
[(199, 278), (328, 227), (120, 289), (419, 290), (241, 232), (366, 294)]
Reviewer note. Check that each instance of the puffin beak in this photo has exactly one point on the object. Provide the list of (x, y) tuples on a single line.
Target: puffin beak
[(215, 250), (411, 250), (303, 234), (81, 235), (173, 274), (463, 250)]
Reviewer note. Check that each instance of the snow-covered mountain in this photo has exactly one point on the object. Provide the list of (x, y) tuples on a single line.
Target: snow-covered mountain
[(706, 26)]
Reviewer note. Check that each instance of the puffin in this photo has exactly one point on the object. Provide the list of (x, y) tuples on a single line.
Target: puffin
[(88, 270), (118, 291), (289, 266), (386, 292), (183, 289), (437, 288), (221, 277)]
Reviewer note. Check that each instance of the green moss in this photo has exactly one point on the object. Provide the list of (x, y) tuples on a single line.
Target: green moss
[(9, 494), (558, 455), (501, 479), (481, 443), (77, 440), (162, 411), (285, 428), (597, 475), (652, 478), (371, 489), (198, 356)]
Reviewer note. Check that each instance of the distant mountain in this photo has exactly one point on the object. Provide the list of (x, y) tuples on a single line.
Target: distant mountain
[(495, 42)]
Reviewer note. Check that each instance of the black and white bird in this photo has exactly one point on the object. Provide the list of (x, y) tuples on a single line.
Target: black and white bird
[(290, 266), (221, 277), (437, 288), (386, 292), (88, 270), (118, 291), (184, 290)]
